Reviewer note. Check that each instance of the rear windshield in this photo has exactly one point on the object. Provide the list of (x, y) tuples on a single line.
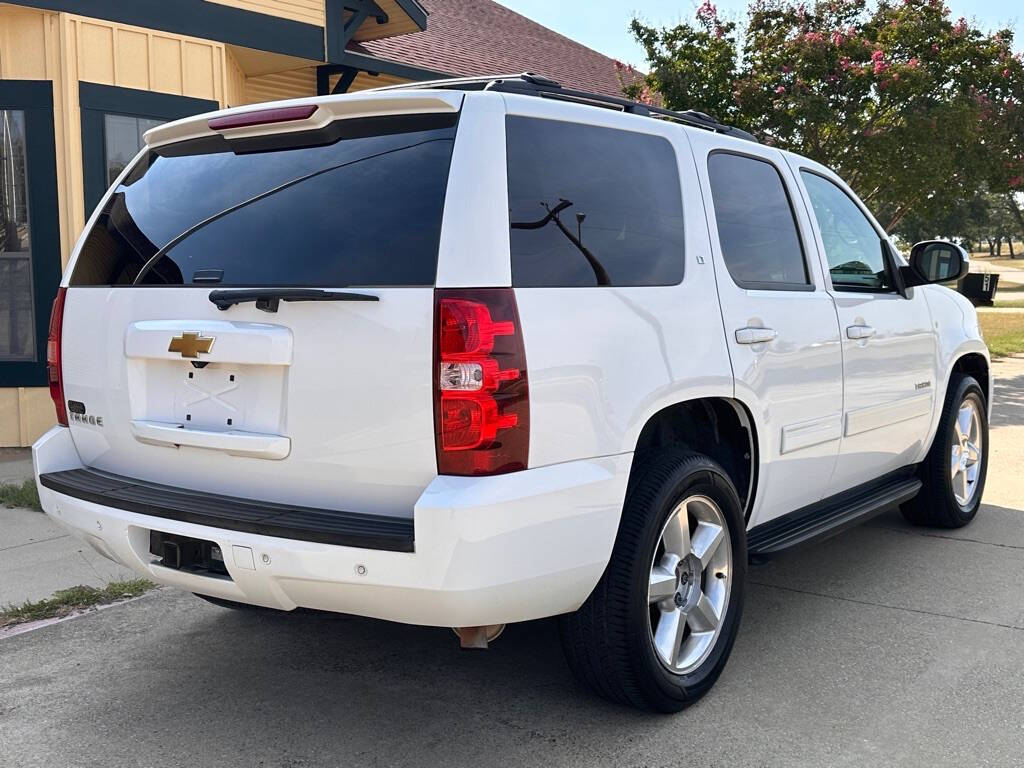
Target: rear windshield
[(361, 208)]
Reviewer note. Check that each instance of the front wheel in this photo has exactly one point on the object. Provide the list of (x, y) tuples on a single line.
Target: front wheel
[(658, 628), (953, 473)]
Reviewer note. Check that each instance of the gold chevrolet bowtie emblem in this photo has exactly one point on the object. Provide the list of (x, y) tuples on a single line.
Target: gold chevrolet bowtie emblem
[(191, 344)]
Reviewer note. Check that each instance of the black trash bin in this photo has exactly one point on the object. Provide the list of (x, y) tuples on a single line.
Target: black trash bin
[(979, 287)]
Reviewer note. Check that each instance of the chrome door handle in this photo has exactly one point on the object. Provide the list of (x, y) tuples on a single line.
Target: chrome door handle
[(859, 332), (755, 335)]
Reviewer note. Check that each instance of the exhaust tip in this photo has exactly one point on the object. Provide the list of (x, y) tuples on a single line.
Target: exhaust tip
[(478, 638)]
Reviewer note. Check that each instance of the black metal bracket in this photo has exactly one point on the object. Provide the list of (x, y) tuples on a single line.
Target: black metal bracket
[(348, 76), (339, 31)]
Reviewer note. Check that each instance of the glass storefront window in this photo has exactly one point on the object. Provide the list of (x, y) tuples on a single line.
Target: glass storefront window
[(123, 136), (17, 322)]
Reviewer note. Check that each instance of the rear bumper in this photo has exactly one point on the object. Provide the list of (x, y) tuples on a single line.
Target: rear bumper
[(487, 550), (232, 513)]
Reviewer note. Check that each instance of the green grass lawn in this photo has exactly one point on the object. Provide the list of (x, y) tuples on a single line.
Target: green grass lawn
[(1009, 295), (1004, 259), (24, 495), (1003, 332)]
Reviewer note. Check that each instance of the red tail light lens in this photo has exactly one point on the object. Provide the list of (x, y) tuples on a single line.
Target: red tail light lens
[(481, 396), (53, 358)]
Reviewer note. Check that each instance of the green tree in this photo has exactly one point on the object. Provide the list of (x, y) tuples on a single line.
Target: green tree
[(917, 111)]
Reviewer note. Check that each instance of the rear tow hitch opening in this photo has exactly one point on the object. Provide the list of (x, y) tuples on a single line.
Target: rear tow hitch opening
[(187, 554), (478, 638)]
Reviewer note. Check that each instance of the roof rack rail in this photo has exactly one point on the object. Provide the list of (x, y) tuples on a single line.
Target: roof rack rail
[(530, 84)]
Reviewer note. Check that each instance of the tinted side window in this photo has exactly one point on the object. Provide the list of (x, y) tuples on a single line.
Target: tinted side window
[(852, 246), (756, 226), (592, 206)]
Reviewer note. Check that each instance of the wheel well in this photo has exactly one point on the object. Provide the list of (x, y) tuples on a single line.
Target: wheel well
[(719, 428), (974, 365)]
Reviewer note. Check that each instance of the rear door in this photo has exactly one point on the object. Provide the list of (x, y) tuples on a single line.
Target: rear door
[(780, 321), (324, 403)]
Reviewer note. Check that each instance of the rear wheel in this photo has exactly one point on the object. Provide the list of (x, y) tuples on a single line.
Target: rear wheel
[(658, 628), (953, 473)]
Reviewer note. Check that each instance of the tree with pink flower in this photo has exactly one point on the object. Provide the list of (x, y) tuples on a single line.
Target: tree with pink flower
[(917, 110)]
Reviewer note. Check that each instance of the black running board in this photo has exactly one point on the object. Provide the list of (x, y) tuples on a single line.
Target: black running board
[(831, 516), (324, 526)]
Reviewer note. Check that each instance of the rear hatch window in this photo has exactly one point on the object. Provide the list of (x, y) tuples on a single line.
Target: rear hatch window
[(362, 207)]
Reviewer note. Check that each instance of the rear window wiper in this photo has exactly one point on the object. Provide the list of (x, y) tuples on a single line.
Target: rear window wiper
[(269, 299)]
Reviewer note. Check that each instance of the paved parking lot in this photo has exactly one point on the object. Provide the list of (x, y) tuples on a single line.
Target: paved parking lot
[(884, 646)]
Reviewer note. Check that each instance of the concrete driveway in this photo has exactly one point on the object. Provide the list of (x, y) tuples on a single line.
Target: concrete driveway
[(884, 646)]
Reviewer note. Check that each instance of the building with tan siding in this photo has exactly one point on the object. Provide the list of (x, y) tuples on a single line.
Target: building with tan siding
[(82, 80)]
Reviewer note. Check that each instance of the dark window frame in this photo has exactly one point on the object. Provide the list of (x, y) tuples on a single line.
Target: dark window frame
[(97, 101), (883, 243), (807, 287), (679, 186), (35, 99)]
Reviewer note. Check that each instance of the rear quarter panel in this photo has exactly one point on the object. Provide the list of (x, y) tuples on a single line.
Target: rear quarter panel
[(603, 360)]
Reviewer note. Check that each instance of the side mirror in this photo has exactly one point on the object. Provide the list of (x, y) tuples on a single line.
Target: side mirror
[(935, 261)]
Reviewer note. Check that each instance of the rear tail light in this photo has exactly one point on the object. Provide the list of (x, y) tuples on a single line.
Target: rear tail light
[(54, 373), (481, 397)]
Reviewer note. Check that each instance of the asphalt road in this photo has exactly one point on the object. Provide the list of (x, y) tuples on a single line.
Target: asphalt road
[(884, 646)]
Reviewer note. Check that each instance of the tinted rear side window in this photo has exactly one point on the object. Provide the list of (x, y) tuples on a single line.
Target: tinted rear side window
[(362, 209), (756, 226), (592, 206)]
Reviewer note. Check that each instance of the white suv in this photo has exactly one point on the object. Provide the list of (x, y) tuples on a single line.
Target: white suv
[(483, 351)]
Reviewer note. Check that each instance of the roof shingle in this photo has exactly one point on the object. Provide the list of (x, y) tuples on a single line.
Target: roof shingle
[(480, 37)]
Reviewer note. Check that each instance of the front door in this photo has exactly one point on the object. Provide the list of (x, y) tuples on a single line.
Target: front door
[(780, 321), (889, 349)]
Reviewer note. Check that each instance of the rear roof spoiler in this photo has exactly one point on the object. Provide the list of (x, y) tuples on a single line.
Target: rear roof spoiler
[(325, 110)]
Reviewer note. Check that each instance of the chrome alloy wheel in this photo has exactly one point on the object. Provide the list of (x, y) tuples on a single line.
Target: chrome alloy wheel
[(966, 452), (691, 578)]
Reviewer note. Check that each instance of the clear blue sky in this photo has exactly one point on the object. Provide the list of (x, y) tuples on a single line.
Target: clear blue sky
[(602, 24)]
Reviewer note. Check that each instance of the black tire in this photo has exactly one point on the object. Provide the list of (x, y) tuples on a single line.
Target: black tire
[(607, 642), (936, 505)]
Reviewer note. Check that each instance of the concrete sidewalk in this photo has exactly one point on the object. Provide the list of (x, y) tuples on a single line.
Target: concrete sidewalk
[(38, 557), (15, 465)]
